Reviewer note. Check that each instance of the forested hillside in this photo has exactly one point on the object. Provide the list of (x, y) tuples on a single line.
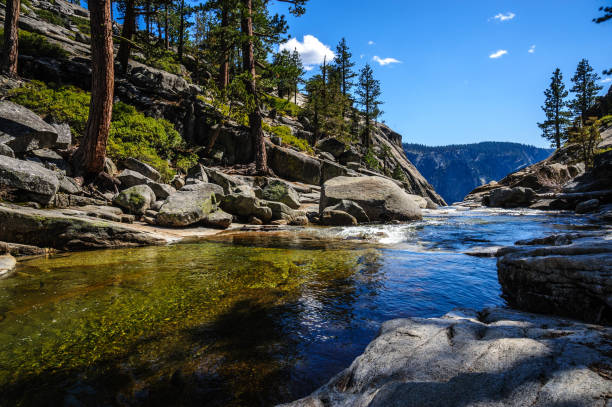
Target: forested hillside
[(455, 170)]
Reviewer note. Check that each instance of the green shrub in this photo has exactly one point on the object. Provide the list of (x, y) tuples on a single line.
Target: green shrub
[(370, 161), (282, 106), (132, 134), (398, 174), (82, 24), (50, 17), (161, 59), (36, 45), (285, 135)]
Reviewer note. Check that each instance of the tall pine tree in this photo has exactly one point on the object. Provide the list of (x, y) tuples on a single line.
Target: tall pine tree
[(368, 96), (345, 66), (554, 128), (607, 15), (585, 89)]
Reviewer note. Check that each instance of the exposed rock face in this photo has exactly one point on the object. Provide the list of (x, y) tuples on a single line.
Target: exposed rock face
[(572, 279), (380, 198), (45, 228), (136, 199), (39, 183), (332, 146), (495, 358), (23, 130), (456, 170), (511, 197), (295, 166), (188, 207)]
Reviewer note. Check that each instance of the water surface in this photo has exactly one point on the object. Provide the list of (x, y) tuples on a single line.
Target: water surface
[(243, 320)]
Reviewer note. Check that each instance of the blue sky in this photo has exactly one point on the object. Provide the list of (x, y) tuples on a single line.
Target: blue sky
[(447, 89)]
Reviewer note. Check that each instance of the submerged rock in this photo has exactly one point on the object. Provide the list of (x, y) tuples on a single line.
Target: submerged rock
[(495, 358), (40, 183), (380, 198)]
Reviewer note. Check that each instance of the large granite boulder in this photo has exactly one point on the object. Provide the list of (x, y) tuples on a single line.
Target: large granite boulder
[(186, 208), (294, 166), (380, 198), (218, 219), (141, 168), (562, 277), (245, 206), (510, 197), (280, 191), (51, 228), (282, 211), (330, 169), (130, 178), (39, 183), (332, 217), (23, 130), (136, 199), (6, 151), (227, 182), (493, 358), (352, 209), (332, 146), (161, 191)]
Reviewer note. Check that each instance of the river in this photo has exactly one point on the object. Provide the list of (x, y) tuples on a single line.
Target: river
[(248, 319)]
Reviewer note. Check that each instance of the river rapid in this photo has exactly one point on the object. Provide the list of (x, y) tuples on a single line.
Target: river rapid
[(241, 319)]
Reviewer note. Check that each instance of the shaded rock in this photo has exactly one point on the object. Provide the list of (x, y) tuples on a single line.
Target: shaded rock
[(109, 167), (295, 166), (248, 190), (64, 136), (326, 156), (6, 151), (185, 208), (216, 189), (352, 209), (141, 168), (197, 172), (7, 264), (510, 197), (299, 221), (177, 182), (497, 357), (20, 250), (282, 211), (349, 156), (331, 217), (227, 182), (219, 219), (332, 146), (255, 221), (380, 198), (130, 178), (280, 191), (23, 130), (587, 206), (69, 185), (49, 228), (246, 207), (570, 280), (39, 183), (156, 206), (136, 199), (162, 191), (330, 169)]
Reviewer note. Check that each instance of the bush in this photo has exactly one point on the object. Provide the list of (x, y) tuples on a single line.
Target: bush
[(285, 135), (50, 17), (132, 134), (82, 23), (370, 161), (36, 45), (282, 106), (161, 59)]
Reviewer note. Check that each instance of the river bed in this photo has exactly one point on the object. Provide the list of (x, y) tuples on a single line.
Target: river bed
[(249, 319)]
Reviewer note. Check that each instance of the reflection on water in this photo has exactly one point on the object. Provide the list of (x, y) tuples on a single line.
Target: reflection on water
[(242, 320)]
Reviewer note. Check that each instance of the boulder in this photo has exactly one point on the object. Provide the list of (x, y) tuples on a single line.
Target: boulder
[(248, 190), (6, 151), (214, 188), (51, 228), (185, 208), (109, 167), (219, 219), (23, 130), (587, 206), (246, 207), (130, 178), (280, 191), (352, 209), (39, 183), (331, 217), (20, 250), (141, 168), (69, 185), (294, 166), (380, 198), (569, 280), (177, 182), (282, 211), (492, 358), (349, 156), (197, 172), (506, 197), (227, 182), (332, 146), (419, 200), (330, 169), (7, 264), (161, 191), (136, 199), (64, 136)]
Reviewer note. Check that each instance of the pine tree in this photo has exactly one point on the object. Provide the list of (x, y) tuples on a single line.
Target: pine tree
[(606, 16), (297, 72), (585, 89), (11, 37), (345, 65), (368, 93), (557, 116)]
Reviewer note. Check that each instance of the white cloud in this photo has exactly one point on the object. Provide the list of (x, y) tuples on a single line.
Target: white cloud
[(371, 43), (498, 54), (385, 61), (361, 56), (311, 50), (532, 49), (504, 17), (606, 80)]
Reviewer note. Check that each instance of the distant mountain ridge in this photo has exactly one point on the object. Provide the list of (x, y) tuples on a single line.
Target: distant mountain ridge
[(455, 170)]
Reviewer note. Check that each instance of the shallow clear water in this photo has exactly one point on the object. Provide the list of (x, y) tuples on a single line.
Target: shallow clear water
[(250, 319)]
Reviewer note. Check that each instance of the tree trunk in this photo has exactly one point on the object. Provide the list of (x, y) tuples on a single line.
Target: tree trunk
[(148, 18), (223, 79), (11, 37), (181, 31), (159, 29), (248, 62), (129, 27), (166, 18), (92, 151)]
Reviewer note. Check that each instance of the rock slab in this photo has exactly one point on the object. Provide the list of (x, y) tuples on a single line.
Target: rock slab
[(40, 183)]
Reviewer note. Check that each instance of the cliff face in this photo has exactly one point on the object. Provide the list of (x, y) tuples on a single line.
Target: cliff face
[(456, 170)]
